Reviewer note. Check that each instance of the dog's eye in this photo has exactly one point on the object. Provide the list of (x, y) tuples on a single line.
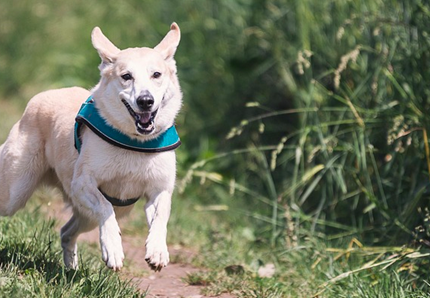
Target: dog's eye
[(126, 77), (156, 75)]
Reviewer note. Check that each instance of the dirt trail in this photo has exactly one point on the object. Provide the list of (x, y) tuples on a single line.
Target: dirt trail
[(167, 283)]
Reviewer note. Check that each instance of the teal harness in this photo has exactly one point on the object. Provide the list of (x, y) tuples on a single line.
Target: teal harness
[(89, 115)]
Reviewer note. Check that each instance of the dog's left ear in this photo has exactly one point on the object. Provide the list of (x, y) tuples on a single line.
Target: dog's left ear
[(167, 47)]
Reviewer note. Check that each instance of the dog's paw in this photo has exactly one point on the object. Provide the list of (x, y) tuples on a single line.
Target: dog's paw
[(112, 253), (157, 255), (70, 257)]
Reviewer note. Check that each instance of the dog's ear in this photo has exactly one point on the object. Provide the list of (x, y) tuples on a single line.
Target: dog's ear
[(106, 49), (167, 47)]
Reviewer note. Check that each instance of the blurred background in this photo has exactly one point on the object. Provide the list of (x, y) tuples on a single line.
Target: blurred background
[(302, 119)]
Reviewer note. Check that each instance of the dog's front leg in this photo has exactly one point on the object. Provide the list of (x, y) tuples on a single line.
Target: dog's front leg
[(157, 214), (89, 200)]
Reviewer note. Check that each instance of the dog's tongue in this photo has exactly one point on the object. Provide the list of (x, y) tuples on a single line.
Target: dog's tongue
[(145, 117)]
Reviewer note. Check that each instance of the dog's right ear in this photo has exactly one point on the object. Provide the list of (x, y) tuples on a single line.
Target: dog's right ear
[(106, 49)]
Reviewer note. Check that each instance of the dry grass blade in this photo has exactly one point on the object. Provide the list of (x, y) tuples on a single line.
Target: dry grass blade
[(399, 255)]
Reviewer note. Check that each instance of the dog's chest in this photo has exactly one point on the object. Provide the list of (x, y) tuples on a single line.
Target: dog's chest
[(126, 174)]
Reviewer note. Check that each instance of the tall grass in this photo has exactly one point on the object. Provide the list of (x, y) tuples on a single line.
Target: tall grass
[(353, 148), (338, 147)]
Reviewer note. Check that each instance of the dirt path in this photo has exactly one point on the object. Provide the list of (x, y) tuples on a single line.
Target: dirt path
[(167, 283)]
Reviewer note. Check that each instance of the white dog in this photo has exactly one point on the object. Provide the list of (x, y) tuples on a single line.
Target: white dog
[(125, 137)]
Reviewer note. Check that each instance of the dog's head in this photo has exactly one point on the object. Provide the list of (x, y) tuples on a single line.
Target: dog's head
[(139, 91)]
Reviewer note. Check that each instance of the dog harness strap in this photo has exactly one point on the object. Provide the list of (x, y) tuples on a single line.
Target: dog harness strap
[(118, 202), (90, 116)]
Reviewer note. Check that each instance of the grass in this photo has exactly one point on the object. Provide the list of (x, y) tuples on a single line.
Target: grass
[(309, 262), (312, 266), (312, 269), (31, 263)]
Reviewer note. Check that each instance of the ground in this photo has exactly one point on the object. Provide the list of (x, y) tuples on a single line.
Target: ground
[(167, 283)]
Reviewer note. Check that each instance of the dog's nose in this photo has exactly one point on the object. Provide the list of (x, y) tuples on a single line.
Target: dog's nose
[(145, 101)]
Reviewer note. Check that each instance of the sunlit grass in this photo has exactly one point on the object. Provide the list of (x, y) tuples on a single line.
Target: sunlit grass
[(31, 263)]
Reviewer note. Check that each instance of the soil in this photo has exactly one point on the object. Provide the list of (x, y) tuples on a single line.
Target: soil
[(167, 283)]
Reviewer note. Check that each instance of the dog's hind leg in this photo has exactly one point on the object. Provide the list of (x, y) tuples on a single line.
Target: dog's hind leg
[(69, 234), (22, 166)]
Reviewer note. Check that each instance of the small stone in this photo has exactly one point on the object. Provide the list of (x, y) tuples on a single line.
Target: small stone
[(267, 271)]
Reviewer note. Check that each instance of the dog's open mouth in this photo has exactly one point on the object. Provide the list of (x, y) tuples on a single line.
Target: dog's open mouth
[(144, 121)]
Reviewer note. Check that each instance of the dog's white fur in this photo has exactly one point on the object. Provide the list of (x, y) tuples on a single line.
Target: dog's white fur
[(40, 149)]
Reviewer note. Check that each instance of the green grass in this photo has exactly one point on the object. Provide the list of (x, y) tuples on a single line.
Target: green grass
[(31, 263), (315, 268), (341, 267)]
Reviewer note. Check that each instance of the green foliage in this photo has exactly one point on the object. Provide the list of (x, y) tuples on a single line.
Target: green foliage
[(336, 136)]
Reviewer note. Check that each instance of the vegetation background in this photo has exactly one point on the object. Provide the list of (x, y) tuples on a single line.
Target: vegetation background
[(304, 131)]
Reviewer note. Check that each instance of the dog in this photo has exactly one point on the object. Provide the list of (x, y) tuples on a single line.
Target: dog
[(138, 97)]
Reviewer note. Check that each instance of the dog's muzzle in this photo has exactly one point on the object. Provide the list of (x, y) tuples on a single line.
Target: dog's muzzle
[(144, 121)]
